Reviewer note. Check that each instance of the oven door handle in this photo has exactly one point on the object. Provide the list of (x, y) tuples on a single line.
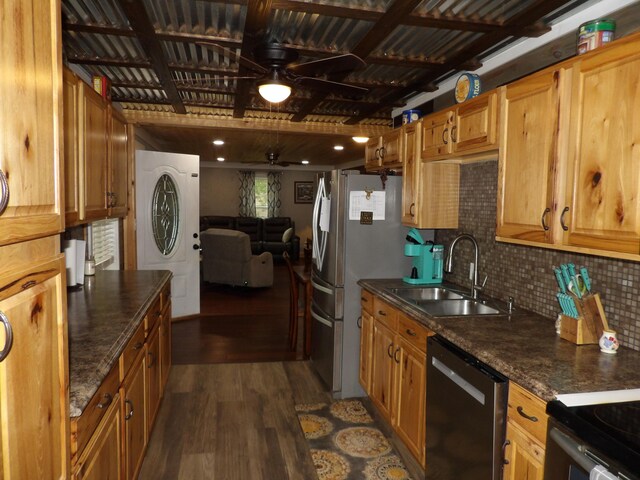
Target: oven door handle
[(571, 448)]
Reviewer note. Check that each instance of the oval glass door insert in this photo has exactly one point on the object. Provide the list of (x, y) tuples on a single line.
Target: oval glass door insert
[(165, 214)]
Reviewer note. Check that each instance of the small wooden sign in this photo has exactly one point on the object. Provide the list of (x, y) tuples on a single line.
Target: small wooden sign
[(366, 218)]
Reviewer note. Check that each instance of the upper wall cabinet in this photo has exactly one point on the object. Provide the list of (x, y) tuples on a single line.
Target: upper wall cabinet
[(384, 151), (96, 155), (30, 115), (467, 129), (529, 157), (569, 166), (603, 202)]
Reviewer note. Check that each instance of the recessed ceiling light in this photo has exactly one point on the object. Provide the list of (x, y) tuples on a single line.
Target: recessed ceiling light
[(360, 139), (218, 142), (305, 162), (338, 147), (220, 159)]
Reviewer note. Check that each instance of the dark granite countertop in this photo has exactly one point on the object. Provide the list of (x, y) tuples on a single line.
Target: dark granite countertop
[(525, 348), (102, 318)]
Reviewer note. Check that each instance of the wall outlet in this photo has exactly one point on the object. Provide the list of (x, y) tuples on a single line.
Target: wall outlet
[(471, 268)]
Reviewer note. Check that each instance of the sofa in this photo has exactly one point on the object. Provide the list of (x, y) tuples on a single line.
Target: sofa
[(227, 259), (275, 235)]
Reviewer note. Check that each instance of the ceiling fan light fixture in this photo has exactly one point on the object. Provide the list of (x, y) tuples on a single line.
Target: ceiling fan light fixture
[(359, 139), (274, 90)]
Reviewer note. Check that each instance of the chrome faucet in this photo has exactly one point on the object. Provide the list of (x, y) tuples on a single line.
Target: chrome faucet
[(475, 288)]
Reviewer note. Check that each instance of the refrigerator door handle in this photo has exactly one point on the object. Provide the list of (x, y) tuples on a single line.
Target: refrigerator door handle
[(321, 319), (322, 288)]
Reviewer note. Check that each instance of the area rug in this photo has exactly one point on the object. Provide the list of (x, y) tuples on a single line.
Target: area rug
[(345, 443)]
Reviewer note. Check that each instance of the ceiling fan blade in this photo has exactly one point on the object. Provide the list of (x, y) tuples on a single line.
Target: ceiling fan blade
[(327, 66), (330, 86), (244, 61)]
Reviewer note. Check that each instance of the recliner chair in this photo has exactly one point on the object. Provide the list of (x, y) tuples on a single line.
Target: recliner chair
[(227, 259)]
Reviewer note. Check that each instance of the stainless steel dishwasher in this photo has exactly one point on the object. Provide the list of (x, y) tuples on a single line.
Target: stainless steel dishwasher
[(466, 412)]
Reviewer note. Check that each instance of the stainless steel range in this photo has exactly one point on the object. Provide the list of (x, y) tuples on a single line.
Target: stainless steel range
[(593, 442)]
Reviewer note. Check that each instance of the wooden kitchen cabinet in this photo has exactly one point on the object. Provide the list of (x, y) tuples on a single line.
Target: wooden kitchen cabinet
[(118, 166), (469, 128), (34, 374), (72, 199), (384, 151), (529, 157), (93, 138), (525, 435), (153, 372), (165, 343), (31, 119), (602, 203), (398, 373), (102, 458), (132, 394), (430, 191), (372, 158)]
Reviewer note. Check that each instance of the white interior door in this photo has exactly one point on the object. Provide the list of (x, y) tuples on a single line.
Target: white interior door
[(167, 212)]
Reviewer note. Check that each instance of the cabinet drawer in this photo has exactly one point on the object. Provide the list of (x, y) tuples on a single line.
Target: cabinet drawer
[(528, 411), (366, 300), (385, 313), (153, 315), (134, 347), (413, 332), (83, 426)]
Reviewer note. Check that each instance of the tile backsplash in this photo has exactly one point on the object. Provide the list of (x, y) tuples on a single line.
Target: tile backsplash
[(525, 273)]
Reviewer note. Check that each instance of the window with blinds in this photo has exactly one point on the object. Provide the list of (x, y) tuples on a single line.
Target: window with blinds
[(106, 244)]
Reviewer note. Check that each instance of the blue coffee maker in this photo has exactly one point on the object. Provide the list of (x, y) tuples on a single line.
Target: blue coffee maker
[(428, 260)]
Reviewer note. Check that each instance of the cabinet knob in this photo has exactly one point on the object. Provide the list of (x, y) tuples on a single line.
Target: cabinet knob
[(107, 399), (359, 322), (390, 350), (8, 331), (412, 210), (411, 333), (524, 415), (4, 192), (504, 450), (395, 355), (454, 129), (444, 136), (138, 346)]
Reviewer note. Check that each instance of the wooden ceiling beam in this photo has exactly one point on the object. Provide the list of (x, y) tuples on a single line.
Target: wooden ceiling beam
[(110, 62), (146, 35), (256, 23)]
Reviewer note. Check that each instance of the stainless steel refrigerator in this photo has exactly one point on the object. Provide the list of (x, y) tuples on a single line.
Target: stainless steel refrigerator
[(345, 251)]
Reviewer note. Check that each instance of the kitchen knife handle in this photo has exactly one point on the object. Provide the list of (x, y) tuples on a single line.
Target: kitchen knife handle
[(545, 227), (562, 224), (585, 277)]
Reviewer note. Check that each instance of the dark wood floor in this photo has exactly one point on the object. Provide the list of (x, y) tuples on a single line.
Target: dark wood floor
[(238, 324)]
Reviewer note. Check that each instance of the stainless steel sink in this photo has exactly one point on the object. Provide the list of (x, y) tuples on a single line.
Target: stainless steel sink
[(416, 295), (457, 308)]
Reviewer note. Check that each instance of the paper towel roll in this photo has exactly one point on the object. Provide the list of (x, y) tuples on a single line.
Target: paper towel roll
[(70, 262)]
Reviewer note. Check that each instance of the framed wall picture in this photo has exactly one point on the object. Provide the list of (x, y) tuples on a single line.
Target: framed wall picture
[(303, 192)]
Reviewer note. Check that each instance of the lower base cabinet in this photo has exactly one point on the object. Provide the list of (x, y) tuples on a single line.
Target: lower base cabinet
[(102, 458), (135, 421), (526, 435), (397, 372)]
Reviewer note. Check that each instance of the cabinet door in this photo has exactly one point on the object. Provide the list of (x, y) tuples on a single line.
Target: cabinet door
[(475, 124), (604, 171), (411, 174), (118, 167), (372, 158), (153, 376), (528, 158), (524, 457), (34, 407), (440, 194), (436, 135), (30, 118), (133, 411), (366, 345), (102, 459), (382, 369), (392, 148), (165, 345), (410, 394), (93, 153), (71, 158)]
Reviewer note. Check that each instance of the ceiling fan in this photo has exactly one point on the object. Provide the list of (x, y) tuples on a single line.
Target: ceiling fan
[(277, 73)]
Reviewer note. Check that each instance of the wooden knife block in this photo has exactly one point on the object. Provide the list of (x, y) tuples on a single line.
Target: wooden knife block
[(591, 322)]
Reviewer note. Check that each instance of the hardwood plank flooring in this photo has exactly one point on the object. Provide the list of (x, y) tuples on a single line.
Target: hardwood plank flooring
[(233, 422), (238, 324)]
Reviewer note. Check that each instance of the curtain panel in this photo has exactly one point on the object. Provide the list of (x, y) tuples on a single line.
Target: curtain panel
[(247, 193), (274, 185)]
